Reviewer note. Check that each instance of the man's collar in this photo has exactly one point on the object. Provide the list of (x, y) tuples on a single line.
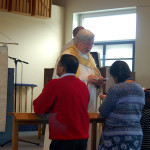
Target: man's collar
[(67, 74)]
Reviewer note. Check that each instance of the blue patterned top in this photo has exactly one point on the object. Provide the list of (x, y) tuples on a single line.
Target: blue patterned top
[(122, 109)]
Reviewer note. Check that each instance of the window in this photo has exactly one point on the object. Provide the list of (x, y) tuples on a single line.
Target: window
[(112, 51), (115, 34)]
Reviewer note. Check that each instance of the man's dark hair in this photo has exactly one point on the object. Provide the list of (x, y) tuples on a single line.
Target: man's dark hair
[(70, 63), (120, 70)]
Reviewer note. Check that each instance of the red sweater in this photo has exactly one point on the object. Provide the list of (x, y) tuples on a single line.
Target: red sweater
[(66, 100)]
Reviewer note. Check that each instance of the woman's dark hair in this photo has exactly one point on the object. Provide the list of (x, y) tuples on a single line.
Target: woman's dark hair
[(120, 70), (70, 63)]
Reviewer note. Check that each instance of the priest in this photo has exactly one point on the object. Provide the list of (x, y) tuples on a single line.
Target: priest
[(87, 72)]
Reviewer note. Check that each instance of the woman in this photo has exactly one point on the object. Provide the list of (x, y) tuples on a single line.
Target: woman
[(122, 108)]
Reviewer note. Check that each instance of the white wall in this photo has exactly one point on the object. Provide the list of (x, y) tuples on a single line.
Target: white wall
[(142, 52), (142, 49), (40, 42)]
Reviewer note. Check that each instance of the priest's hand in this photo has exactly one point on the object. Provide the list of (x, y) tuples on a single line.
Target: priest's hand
[(100, 81), (93, 79)]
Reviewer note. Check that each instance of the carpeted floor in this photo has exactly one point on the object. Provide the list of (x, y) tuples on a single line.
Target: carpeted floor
[(27, 136)]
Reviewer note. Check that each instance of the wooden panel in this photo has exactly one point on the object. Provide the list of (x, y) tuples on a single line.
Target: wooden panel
[(37, 8), (48, 73), (4, 4), (1, 3), (41, 8), (28, 3), (20, 6), (24, 6), (34, 7), (10, 5), (47, 10)]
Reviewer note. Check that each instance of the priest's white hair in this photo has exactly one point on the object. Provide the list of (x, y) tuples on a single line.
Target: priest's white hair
[(84, 35)]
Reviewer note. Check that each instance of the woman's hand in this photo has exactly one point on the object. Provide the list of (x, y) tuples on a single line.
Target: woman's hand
[(102, 96)]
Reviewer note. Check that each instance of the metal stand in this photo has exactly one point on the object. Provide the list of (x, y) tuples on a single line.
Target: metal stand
[(16, 61)]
